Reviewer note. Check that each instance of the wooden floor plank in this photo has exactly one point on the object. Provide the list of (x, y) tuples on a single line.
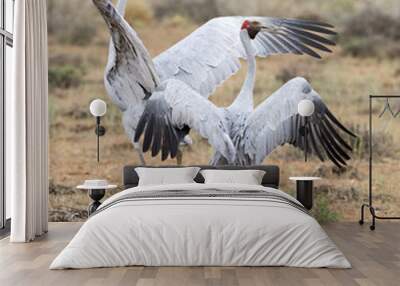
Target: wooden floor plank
[(375, 257)]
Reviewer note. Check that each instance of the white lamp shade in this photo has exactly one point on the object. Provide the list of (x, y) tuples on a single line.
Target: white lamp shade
[(98, 107), (305, 107)]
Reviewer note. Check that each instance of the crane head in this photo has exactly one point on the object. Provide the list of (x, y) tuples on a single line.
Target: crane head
[(245, 24), (252, 27)]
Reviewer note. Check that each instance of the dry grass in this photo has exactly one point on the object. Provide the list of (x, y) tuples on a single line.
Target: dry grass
[(138, 13), (343, 82), (72, 21)]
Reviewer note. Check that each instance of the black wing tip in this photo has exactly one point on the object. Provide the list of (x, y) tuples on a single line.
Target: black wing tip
[(338, 124), (140, 127), (137, 136), (310, 35), (329, 151), (317, 56), (334, 142), (310, 26), (310, 22), (158, 135), (148, 134), (353, 135), (330, 145), (313, 54), (303, 47)]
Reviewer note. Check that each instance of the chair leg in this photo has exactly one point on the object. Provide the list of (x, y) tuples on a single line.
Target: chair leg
[(372, 226), (361, 221)]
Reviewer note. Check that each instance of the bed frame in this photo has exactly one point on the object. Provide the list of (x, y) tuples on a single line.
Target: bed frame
[(271, 177)]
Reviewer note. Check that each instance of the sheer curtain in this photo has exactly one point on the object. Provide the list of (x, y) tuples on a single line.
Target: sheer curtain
[(27, 124)]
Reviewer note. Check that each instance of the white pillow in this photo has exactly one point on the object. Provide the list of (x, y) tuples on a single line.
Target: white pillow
[(166, 176), (248, 177)]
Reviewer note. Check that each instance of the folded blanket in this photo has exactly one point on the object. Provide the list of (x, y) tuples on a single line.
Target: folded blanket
[(206, 193)]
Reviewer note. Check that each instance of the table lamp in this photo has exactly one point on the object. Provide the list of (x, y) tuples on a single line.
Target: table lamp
[(306, 109), (98, 108)]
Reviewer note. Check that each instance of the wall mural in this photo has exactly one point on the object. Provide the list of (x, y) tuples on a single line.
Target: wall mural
[(208, 68), (165, 97)]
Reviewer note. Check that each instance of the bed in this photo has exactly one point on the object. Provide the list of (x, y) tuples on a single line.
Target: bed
[(198, 224)]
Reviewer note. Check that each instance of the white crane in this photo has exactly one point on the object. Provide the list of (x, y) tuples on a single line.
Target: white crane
[(170, 93)]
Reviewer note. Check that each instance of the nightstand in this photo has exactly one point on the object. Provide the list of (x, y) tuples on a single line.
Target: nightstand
[(304, 190), (96, 193)]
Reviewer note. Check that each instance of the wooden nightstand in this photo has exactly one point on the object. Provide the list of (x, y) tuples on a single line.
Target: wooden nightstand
[(96, 194), (304, 190)]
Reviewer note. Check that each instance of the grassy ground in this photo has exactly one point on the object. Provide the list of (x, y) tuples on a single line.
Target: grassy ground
[(344, 83)]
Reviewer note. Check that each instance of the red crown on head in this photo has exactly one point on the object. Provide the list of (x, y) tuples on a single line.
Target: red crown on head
[(245, 25)]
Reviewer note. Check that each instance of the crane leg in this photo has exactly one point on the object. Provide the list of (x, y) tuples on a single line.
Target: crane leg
[(179, 157), (141, 157), (138, 148)]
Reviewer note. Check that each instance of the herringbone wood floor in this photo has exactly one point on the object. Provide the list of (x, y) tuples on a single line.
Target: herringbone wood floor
[(375, 257)]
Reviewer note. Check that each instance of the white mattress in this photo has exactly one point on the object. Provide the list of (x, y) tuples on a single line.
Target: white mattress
[(200, 231)]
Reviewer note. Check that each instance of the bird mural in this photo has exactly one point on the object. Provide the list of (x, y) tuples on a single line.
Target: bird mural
[(164, 98)]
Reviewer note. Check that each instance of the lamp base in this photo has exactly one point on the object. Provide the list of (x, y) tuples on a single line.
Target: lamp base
[(96, 195), (100, 130)]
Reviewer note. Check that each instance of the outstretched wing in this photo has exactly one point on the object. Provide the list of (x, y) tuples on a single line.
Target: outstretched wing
[(276, 122), (130, 75), (211, 54), (176, 107)]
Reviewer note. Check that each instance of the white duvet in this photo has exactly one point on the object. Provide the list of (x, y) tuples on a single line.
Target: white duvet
[(200, 231)]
